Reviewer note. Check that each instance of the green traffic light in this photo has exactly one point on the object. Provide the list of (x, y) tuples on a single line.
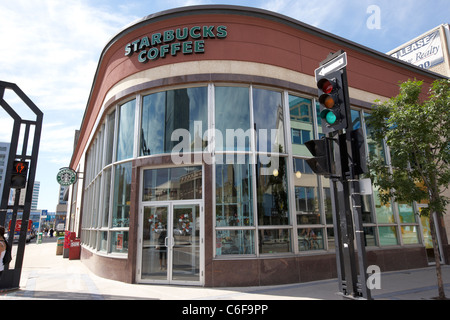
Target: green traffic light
[(331, 117)]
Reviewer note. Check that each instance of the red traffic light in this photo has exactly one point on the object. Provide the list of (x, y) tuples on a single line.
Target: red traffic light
[(325, 85), (19, 174)]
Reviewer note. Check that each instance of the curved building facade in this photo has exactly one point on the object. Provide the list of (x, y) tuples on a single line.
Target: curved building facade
[(192, 149)]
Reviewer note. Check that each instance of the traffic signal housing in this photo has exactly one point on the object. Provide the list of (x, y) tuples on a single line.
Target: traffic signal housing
[(333, 93), (321, 163), (19, 175)]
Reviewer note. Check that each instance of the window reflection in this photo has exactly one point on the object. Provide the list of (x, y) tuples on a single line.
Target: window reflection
[(122, 193), (110, 137), (234, 198), (125, 139), (274, 241), (231, 242), (301, 124), (165, 112), (310, 239), (269, 121), (232, 112), (388, 236), (181, 183), (272, 195)]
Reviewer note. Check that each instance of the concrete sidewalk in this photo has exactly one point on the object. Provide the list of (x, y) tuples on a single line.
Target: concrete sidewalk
[(48, 276)]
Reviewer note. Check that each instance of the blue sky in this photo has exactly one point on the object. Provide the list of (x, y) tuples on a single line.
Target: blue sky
[(50, 48)]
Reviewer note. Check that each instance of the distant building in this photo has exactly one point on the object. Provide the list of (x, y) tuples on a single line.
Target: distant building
[(35, 197)]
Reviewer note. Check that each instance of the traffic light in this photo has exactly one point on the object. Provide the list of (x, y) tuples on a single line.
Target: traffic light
[(19, 175), (321, 164), (359, 152), (333, 104)]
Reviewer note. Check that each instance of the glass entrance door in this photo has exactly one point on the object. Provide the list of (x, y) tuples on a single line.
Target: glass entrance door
[(171, 243)]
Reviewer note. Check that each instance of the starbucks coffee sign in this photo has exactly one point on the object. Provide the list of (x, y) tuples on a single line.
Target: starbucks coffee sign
[(187, 40), (66, 176)]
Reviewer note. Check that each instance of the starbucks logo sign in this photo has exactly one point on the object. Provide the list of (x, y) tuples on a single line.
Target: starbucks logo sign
[(66, 176)]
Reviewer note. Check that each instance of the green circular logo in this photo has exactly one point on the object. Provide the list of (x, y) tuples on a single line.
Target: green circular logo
[(66, 176)]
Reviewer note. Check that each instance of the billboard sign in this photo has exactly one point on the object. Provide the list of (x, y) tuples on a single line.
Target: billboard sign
[(425, 52)]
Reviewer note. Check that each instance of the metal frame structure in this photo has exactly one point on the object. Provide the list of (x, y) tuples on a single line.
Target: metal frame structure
[(11, 277)]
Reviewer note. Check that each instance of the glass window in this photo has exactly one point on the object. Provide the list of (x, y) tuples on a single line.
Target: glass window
[(181, 183), (356, 119), (301, 124), (300, 136), (232, 112), (240, 242), (383, 210), (165, 112), (272, 193), (327, 204), (269, 120), (110, 137), (122, 192), (388, 236), (307, 205), (310, 239), (331, 239), (301, 167), (125, 139), (103, 245), (409, 234), (366, 208), (376, 148), (300, 109), (306, 193), (234, 197), (406, 213), (153, 124), (274, 241), (106, 196), (369, 237), (119, 242)]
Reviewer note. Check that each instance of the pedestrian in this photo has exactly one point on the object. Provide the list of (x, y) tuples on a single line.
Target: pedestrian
[(2, 249), (51, 233)]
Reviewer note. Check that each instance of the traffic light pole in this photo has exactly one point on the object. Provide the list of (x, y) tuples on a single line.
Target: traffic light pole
[(349, 216), (11, 277), (342, 165)]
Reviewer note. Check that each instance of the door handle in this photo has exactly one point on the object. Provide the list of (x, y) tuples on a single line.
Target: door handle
[(166, 242)]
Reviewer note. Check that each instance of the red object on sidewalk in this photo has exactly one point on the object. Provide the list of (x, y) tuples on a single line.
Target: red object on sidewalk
[(75, 249), (68, 236)]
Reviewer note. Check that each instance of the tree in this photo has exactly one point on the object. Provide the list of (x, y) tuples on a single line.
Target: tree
[(418, 136)]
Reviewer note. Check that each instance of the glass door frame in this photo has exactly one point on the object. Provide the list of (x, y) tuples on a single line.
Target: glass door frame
[(170, 242)]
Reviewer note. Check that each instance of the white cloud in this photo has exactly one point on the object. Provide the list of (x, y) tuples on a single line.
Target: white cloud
[(48, 45)]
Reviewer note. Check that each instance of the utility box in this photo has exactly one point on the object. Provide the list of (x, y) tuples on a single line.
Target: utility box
[(68, 236), (59, 246), (75, 249)]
